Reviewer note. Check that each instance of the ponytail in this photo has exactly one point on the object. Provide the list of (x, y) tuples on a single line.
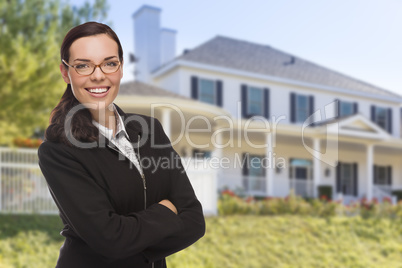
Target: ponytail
[(81, 127)]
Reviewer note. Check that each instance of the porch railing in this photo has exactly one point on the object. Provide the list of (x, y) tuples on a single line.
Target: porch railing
[(304, 188), (247, 185), (383, 191)]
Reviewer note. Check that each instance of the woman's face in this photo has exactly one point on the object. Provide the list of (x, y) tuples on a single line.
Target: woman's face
[(98, 90)]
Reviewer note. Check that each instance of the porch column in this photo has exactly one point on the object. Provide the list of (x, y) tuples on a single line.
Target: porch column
[(218, 145), (316, 166), (215, 175), (269, 174), (166, 122), (369, 170)]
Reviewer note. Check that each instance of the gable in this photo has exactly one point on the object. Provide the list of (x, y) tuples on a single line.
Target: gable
[(359, 125), (356, 126)]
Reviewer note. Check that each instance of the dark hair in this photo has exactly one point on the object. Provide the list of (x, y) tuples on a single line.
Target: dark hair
[(82, 128)]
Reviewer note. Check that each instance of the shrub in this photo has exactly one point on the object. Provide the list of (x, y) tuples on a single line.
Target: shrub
[(27, 142), (398, 194), (325, 192), (232, 204)]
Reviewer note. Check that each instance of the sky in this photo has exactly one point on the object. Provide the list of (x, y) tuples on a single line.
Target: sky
[(359, 38)]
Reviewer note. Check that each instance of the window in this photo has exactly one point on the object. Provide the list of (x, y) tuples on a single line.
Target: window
[(255, 101), (255, 167), (346, 108), (382, 175), (382, 117), (301, 107), (254, 174), (207, 90)]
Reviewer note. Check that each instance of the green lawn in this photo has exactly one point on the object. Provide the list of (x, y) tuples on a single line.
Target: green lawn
[(235, 241)]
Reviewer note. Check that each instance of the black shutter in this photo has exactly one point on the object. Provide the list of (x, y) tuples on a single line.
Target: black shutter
[(355, 179), (355, 108), (373, 113), (219, 92), (337, 108), (311, 110), (389, 174), (292, 107), (311, 103), (375, 172), (338, 178), (266, 103), (244, 101), (390, 120), (245, 163), (194, 87)]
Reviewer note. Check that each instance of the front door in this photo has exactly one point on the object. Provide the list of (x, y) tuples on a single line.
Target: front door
[(300, 177), (347, 179)]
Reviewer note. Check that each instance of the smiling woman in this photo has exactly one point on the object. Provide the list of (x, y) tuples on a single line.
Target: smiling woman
[(90, 84), (116, 211)]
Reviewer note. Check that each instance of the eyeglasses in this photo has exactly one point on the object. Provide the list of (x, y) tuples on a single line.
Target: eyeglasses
[(88, 68)]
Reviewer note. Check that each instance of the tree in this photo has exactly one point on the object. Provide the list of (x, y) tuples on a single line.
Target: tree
[(31, 32)]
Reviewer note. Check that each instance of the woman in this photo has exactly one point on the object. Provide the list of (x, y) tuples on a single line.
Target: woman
[(117, 212)]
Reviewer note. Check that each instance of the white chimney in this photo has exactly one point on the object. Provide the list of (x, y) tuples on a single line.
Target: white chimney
[(153, 46), (168, 45), (146, 41)]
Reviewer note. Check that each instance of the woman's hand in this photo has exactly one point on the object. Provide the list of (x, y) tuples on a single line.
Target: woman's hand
[(169, 205)]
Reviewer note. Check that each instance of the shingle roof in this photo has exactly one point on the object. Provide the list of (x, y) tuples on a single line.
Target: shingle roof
[(261, 59), (142, 89)]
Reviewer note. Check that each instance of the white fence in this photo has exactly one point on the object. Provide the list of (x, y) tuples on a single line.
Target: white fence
[(203, 178), (23, 188), (245, 185)]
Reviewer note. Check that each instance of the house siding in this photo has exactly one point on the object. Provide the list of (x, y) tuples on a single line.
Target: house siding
[(179, 81)]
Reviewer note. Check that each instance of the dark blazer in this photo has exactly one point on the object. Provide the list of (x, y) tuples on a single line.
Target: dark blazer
[(101, 199)]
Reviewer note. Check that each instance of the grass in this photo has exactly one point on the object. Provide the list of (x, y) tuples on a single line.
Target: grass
[(294, 241), (234, 241), (29, 241)]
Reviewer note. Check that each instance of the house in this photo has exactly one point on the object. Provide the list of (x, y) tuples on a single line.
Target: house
[(263, 121)]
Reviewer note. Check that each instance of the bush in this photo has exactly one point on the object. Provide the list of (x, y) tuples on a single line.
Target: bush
[(398, 194), (232, 204), (325, 192), (27, 142)]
